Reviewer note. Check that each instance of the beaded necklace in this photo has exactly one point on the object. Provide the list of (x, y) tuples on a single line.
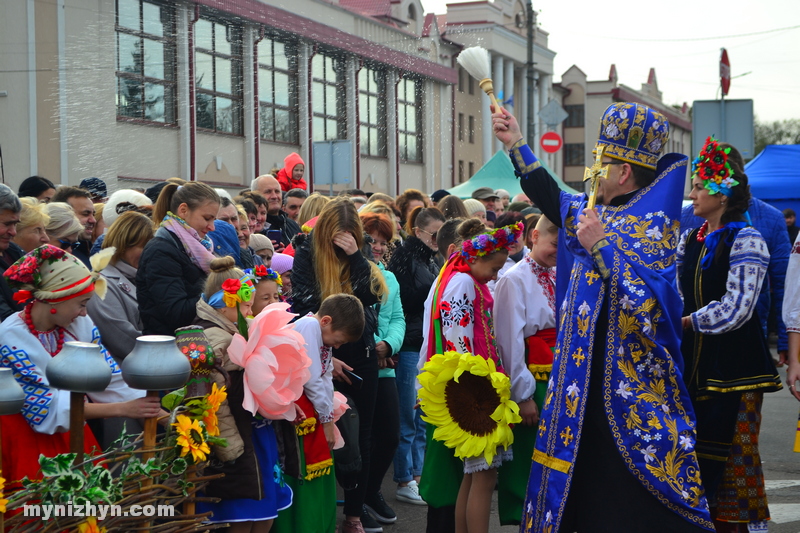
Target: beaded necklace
[(44, 335), (701, 233)]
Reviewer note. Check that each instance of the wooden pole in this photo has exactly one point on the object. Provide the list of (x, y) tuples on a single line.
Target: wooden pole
[(76, 425), (150, 427)]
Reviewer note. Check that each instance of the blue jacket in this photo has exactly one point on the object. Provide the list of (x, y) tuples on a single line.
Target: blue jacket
[(391, 321), (771, 224)]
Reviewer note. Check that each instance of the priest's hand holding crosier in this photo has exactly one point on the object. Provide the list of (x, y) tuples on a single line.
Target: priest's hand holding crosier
[(590, 230)]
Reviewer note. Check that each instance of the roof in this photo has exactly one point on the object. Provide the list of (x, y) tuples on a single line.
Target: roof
[(373, 8), (498, 173)]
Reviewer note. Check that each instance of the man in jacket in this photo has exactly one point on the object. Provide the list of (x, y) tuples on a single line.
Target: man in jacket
[(276, 218), (10, 208)]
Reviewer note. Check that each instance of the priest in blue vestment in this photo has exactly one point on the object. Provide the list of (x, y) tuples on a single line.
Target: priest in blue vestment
[(615, 447)]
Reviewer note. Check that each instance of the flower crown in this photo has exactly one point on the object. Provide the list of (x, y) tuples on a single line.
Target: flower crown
[(233, 292), (260, 272), (491, 241), (712, 166)]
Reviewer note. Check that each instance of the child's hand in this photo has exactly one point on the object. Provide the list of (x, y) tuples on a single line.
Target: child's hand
[(145, 407), (529, 412), (330, 436)]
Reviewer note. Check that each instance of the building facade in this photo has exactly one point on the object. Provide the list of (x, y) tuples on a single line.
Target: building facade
[(135, 91), (585, 101), (500, 27)]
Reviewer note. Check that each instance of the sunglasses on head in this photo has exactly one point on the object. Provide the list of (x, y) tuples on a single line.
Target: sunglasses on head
[(68, 244)]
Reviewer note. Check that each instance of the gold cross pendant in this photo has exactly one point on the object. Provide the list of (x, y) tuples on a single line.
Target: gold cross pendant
[(594, 174)]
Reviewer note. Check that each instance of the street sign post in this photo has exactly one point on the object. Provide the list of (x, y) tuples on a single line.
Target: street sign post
[(551, 142)]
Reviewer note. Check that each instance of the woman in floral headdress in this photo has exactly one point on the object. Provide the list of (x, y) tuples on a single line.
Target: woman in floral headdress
[(56, 288), (252, 490), (727, 365), (472, 409)]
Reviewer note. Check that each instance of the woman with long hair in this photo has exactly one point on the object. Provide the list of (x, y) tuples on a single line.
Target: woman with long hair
[(414, 265), (727, 364), (312, 207), (175, 263), (329, 261)]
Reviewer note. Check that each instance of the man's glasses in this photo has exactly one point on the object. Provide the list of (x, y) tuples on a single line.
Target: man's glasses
[(68, 244), (432, 235)]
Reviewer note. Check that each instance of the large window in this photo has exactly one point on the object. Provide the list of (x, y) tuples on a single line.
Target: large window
[(372, 111), (277, 91), (218, 76), (409, 118), (573, 154), (471, 129), (328, 98), (575, 116), (145, 32)]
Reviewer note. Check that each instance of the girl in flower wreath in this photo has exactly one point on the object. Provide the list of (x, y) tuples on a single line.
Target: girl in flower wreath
[(268, 288), (55, 286), (459, 319), (252, 491)]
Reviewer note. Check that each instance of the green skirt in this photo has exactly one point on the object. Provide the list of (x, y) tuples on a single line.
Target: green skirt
[(313, 509), (512, 477), (441, 473)]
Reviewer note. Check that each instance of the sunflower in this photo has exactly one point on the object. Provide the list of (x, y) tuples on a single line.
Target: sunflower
[(3, 502), (190, 438), (212, 402), (469, 402), (90, 526)]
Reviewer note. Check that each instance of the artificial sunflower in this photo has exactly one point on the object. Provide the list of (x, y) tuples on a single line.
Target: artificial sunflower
[(469, 402), (213, 401), (3, 502), (90, 526), (190, 438)]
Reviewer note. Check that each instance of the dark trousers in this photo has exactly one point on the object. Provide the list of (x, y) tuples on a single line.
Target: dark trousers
[(364, 397), (385, 433)]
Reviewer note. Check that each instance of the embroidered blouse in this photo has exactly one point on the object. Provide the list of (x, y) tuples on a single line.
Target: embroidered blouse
[(749, 260), (319, 388), (524, 304), (791, 296)]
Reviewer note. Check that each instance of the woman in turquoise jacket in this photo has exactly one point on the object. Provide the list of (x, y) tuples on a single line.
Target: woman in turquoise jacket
[(388, 340)]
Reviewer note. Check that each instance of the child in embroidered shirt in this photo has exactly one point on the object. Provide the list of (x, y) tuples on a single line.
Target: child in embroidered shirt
[(526, 335), (340, 320)]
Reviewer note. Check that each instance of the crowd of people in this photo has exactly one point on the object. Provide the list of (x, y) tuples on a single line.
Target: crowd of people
[(630, 337)]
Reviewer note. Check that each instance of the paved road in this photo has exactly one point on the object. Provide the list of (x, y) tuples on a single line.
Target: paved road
[(781, 467)]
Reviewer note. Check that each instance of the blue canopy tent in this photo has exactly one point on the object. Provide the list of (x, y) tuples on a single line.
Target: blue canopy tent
[(774, 176), (498, 173)]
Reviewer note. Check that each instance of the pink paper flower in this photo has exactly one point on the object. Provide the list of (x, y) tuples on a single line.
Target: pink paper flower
[(275, 363)]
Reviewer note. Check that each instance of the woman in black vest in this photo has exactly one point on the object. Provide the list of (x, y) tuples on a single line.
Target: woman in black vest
[(727, 365)]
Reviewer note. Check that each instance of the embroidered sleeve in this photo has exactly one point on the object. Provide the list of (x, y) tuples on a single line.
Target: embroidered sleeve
[(598, 254), (791, 295), (457, 312), (45, 409), (523, 157), (319, 387), (748, 266)]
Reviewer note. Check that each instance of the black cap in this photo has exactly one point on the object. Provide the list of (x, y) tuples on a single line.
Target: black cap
[(438, 195), (95, 186)]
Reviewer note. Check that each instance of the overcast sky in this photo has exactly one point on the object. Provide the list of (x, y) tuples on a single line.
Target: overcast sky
[(681, 40)]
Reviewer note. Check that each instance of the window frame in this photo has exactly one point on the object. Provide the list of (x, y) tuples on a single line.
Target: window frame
[(339, 86), (379, 125), (169, 41), (574, 152), (402, 132), (237, 76), (292, 70), (574, 118)]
